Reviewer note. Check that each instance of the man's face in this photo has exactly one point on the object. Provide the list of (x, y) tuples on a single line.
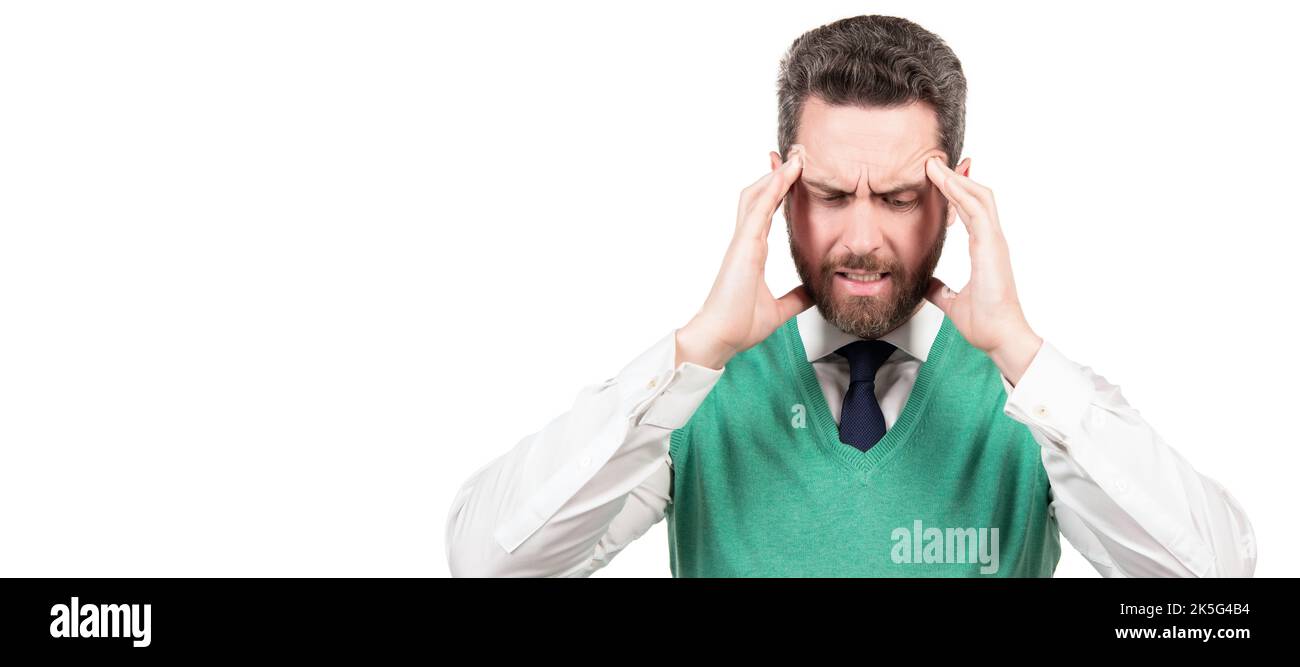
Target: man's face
[(864, 204)]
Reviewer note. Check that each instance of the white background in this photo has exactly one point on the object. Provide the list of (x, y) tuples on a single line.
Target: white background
[(276, 277)]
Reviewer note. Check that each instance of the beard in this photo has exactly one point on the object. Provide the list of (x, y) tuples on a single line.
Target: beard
[(868, 316)]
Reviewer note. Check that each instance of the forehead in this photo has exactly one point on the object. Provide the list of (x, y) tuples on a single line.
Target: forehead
[(850, 145)]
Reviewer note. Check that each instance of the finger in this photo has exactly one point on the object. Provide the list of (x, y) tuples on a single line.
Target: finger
[(985, 212), (760, 205), (988, 248), (794, 302), (967, 206), (981, 192), (751, 193), (758, 218), (973, 200), (940, 294)]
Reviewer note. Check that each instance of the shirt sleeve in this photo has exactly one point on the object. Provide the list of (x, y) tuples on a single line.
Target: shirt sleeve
[(554, 504), (1123, 497)]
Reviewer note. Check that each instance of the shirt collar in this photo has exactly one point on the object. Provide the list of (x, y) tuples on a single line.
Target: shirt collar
[(915, 336)]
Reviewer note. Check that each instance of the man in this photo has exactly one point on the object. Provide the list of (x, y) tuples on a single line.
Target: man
[(899, 428)]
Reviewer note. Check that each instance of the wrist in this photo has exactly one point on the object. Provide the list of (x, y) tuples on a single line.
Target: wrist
[(1014, 355), (696, 349)]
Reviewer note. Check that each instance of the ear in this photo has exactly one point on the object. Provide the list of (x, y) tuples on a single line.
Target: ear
[(775, 157)]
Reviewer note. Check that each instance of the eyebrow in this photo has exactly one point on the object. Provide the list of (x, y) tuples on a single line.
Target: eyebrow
[(898, 189)]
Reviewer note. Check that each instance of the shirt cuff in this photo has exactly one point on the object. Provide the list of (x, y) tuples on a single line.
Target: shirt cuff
[(660, 394), (1054, 395), (648, 390)]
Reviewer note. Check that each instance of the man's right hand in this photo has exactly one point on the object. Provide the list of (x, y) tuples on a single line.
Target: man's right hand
[(740, 311)]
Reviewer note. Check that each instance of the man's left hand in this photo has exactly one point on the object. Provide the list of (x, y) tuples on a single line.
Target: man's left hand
[(987, 310)]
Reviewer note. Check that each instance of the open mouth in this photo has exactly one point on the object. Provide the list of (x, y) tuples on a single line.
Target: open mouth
[(859, 283), (864, 278)]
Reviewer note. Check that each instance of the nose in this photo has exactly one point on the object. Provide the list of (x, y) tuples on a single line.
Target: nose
[(864, 233)]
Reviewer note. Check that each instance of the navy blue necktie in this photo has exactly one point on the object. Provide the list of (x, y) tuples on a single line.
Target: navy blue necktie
[(862, 424)]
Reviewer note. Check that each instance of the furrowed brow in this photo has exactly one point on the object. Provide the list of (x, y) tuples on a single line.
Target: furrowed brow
[(918, 186), (824, 187)]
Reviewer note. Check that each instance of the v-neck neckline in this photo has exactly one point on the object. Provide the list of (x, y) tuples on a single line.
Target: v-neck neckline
[(828, 430)]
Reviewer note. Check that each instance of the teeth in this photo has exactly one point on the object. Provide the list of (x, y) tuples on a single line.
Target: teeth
[(862, 277)]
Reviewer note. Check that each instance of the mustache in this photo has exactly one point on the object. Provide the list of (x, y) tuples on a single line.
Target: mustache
[(858, 263)]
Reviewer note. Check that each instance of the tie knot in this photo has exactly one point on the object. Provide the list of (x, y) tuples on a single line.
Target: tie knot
[(865, 358)]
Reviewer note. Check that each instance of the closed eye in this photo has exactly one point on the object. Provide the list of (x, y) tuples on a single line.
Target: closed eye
[(896, 204)]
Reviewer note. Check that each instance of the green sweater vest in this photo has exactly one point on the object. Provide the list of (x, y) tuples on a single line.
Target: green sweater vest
[(762, 486)]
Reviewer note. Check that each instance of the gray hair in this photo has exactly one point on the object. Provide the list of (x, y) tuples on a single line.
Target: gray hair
[(873, 61)]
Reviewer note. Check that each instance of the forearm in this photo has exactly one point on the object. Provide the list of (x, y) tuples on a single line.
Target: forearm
[(1132, 494), (542, 508)]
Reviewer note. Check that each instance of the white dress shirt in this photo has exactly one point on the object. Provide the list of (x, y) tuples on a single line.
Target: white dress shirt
[(568, 498)]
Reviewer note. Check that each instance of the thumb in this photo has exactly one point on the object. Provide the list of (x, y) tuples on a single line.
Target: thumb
[(794, 302), (940, 294)]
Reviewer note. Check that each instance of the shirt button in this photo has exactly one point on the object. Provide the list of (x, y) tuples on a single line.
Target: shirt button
[(585, 461), (651, 384), (1041, 411)]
